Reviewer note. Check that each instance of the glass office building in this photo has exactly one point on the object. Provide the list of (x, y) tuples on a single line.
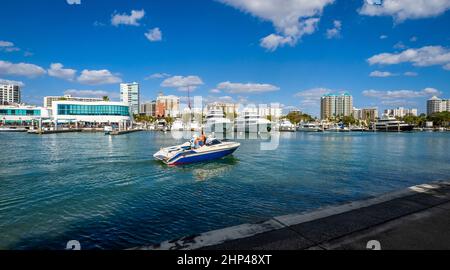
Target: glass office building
[(21, 115), (90, 112), (105, 110), (24, 112)]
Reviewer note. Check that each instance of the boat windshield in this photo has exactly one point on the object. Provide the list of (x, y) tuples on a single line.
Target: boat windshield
[(213, 142)]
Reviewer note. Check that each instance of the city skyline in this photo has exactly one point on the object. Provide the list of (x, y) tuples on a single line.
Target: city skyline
[(90, 48)]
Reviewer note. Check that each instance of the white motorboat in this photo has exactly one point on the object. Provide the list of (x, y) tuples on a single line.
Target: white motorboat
[(309, 127), (177, 125), (286, 125), (187, 153)]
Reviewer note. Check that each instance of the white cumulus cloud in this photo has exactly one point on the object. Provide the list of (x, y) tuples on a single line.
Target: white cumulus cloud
[(8, 46), (125, 19), (21, 69), (335, 32), (311, 97), (292, 19), (90, 93), (402, 10), (381, 74), (422, 57), (159, 75), (410, 74), (154, 35), (238, 88), (96, 77), (399, 94), (57, 70), (183, 83)]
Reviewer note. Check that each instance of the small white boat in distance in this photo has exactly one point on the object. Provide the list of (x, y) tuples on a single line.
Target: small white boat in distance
[(309, 127), (177, 125), (186, 153), (286, 126)]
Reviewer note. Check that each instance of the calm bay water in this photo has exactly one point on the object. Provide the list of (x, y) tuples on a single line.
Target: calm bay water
[(108, 192)]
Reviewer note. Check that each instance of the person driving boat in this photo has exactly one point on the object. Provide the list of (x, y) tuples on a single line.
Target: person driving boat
[(199, 141)]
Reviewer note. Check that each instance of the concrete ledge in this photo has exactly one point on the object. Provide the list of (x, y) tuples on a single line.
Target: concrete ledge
[(315, 229)]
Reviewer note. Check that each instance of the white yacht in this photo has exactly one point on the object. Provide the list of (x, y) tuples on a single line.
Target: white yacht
[(250, 122), (177, 125), (286, 125), (387, 123), (309, 127), (216, 122)]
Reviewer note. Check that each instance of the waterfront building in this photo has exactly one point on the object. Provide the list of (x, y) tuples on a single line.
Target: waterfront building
[(101, 112), (148, 108), (129, 94), (400, 112), (365, 114), (332, 105), (436, 105), (48, 101), (227, 108), (167, 105), (357, 113), (21, 115), (274, 111), (9, 94)]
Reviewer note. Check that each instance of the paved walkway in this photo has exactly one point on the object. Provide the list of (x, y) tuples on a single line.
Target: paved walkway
[(414, 218)]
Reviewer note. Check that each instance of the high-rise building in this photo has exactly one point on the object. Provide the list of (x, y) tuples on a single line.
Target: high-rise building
[(167, 105), (48, 101), (336, 105), (435, 105), (227, 108), (370, 114), (148, 108), (9, 94), (400, 112), (129, 94)]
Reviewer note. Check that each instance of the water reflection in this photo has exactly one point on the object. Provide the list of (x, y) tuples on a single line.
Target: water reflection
[(211, 170)]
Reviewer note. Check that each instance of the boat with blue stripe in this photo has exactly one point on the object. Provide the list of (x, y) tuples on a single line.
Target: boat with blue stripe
[(187, 153)]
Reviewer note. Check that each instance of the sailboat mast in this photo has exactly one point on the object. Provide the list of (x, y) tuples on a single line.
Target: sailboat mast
[(189, 97)]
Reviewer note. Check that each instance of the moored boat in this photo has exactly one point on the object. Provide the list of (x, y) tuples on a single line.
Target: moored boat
[(250, 122), (390, 124), (309, 127), (216, 122)]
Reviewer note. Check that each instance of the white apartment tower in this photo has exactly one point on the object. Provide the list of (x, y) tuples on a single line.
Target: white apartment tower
[(9, 93), (129, 94), (436, 105)]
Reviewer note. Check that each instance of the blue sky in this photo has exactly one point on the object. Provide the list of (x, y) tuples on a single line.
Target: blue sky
[(287, 51)]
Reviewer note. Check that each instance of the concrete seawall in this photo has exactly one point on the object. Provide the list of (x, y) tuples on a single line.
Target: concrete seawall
[(414, 218)]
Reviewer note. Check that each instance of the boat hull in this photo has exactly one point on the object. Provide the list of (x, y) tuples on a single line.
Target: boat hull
[(395, 128), (194, 158)]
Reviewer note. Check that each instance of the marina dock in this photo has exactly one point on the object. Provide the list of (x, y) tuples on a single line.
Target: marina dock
[(42, 132), (414, 218)]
